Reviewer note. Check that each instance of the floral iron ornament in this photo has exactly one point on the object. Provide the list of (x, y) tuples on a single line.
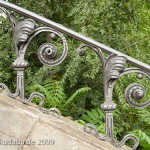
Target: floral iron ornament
[(24, 31), (114, 66)]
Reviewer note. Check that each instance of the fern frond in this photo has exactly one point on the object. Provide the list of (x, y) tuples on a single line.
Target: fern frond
[(96, 117), (41, 89), (142, 136), (53, 91), (144, 116), (80, 91), (45, 92)]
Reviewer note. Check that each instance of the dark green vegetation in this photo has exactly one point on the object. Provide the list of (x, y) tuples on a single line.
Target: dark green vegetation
[(76, 86)]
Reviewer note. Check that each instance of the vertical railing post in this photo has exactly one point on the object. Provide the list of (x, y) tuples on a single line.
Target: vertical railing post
[(19, 65)]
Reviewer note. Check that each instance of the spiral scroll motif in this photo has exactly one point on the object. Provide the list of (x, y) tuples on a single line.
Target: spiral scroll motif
[(136, 92), (47, 52), (82, 52)]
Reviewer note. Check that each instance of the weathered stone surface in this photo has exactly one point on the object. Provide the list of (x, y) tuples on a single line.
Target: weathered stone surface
[(5, 141), (43, 131), (15, 123), (55, 139), (28, 148)]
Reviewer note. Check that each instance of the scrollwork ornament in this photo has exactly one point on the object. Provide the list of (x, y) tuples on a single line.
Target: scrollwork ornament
[(90, 128), (114, 65), (109, 132), (10, 16), (136, 92), (25, 30), (47, 51), (8, 93), (82, 52), (55, 111)]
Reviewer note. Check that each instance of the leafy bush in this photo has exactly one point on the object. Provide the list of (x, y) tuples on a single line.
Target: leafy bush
[(55, 96), (76, 86)]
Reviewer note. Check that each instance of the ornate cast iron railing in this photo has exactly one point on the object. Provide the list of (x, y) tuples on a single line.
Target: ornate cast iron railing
[(113, 67)]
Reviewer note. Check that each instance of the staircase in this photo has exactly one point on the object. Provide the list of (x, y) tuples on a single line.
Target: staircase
[(114, 67)]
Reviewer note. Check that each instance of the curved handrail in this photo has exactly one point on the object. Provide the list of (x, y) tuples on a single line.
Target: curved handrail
[(74, 34)]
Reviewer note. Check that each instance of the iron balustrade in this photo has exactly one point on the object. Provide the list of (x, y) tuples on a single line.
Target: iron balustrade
[(113, 66)]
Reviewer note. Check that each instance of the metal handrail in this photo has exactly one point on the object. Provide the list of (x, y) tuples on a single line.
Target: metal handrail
[(72, 33), (114, 66)]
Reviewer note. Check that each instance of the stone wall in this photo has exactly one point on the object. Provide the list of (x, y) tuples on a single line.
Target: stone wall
[(22, 123)]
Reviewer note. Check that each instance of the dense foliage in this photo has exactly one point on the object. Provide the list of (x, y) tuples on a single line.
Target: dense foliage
[(76, 86)]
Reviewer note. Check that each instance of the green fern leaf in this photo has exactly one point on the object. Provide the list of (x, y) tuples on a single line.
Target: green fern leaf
[(77, 93)]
